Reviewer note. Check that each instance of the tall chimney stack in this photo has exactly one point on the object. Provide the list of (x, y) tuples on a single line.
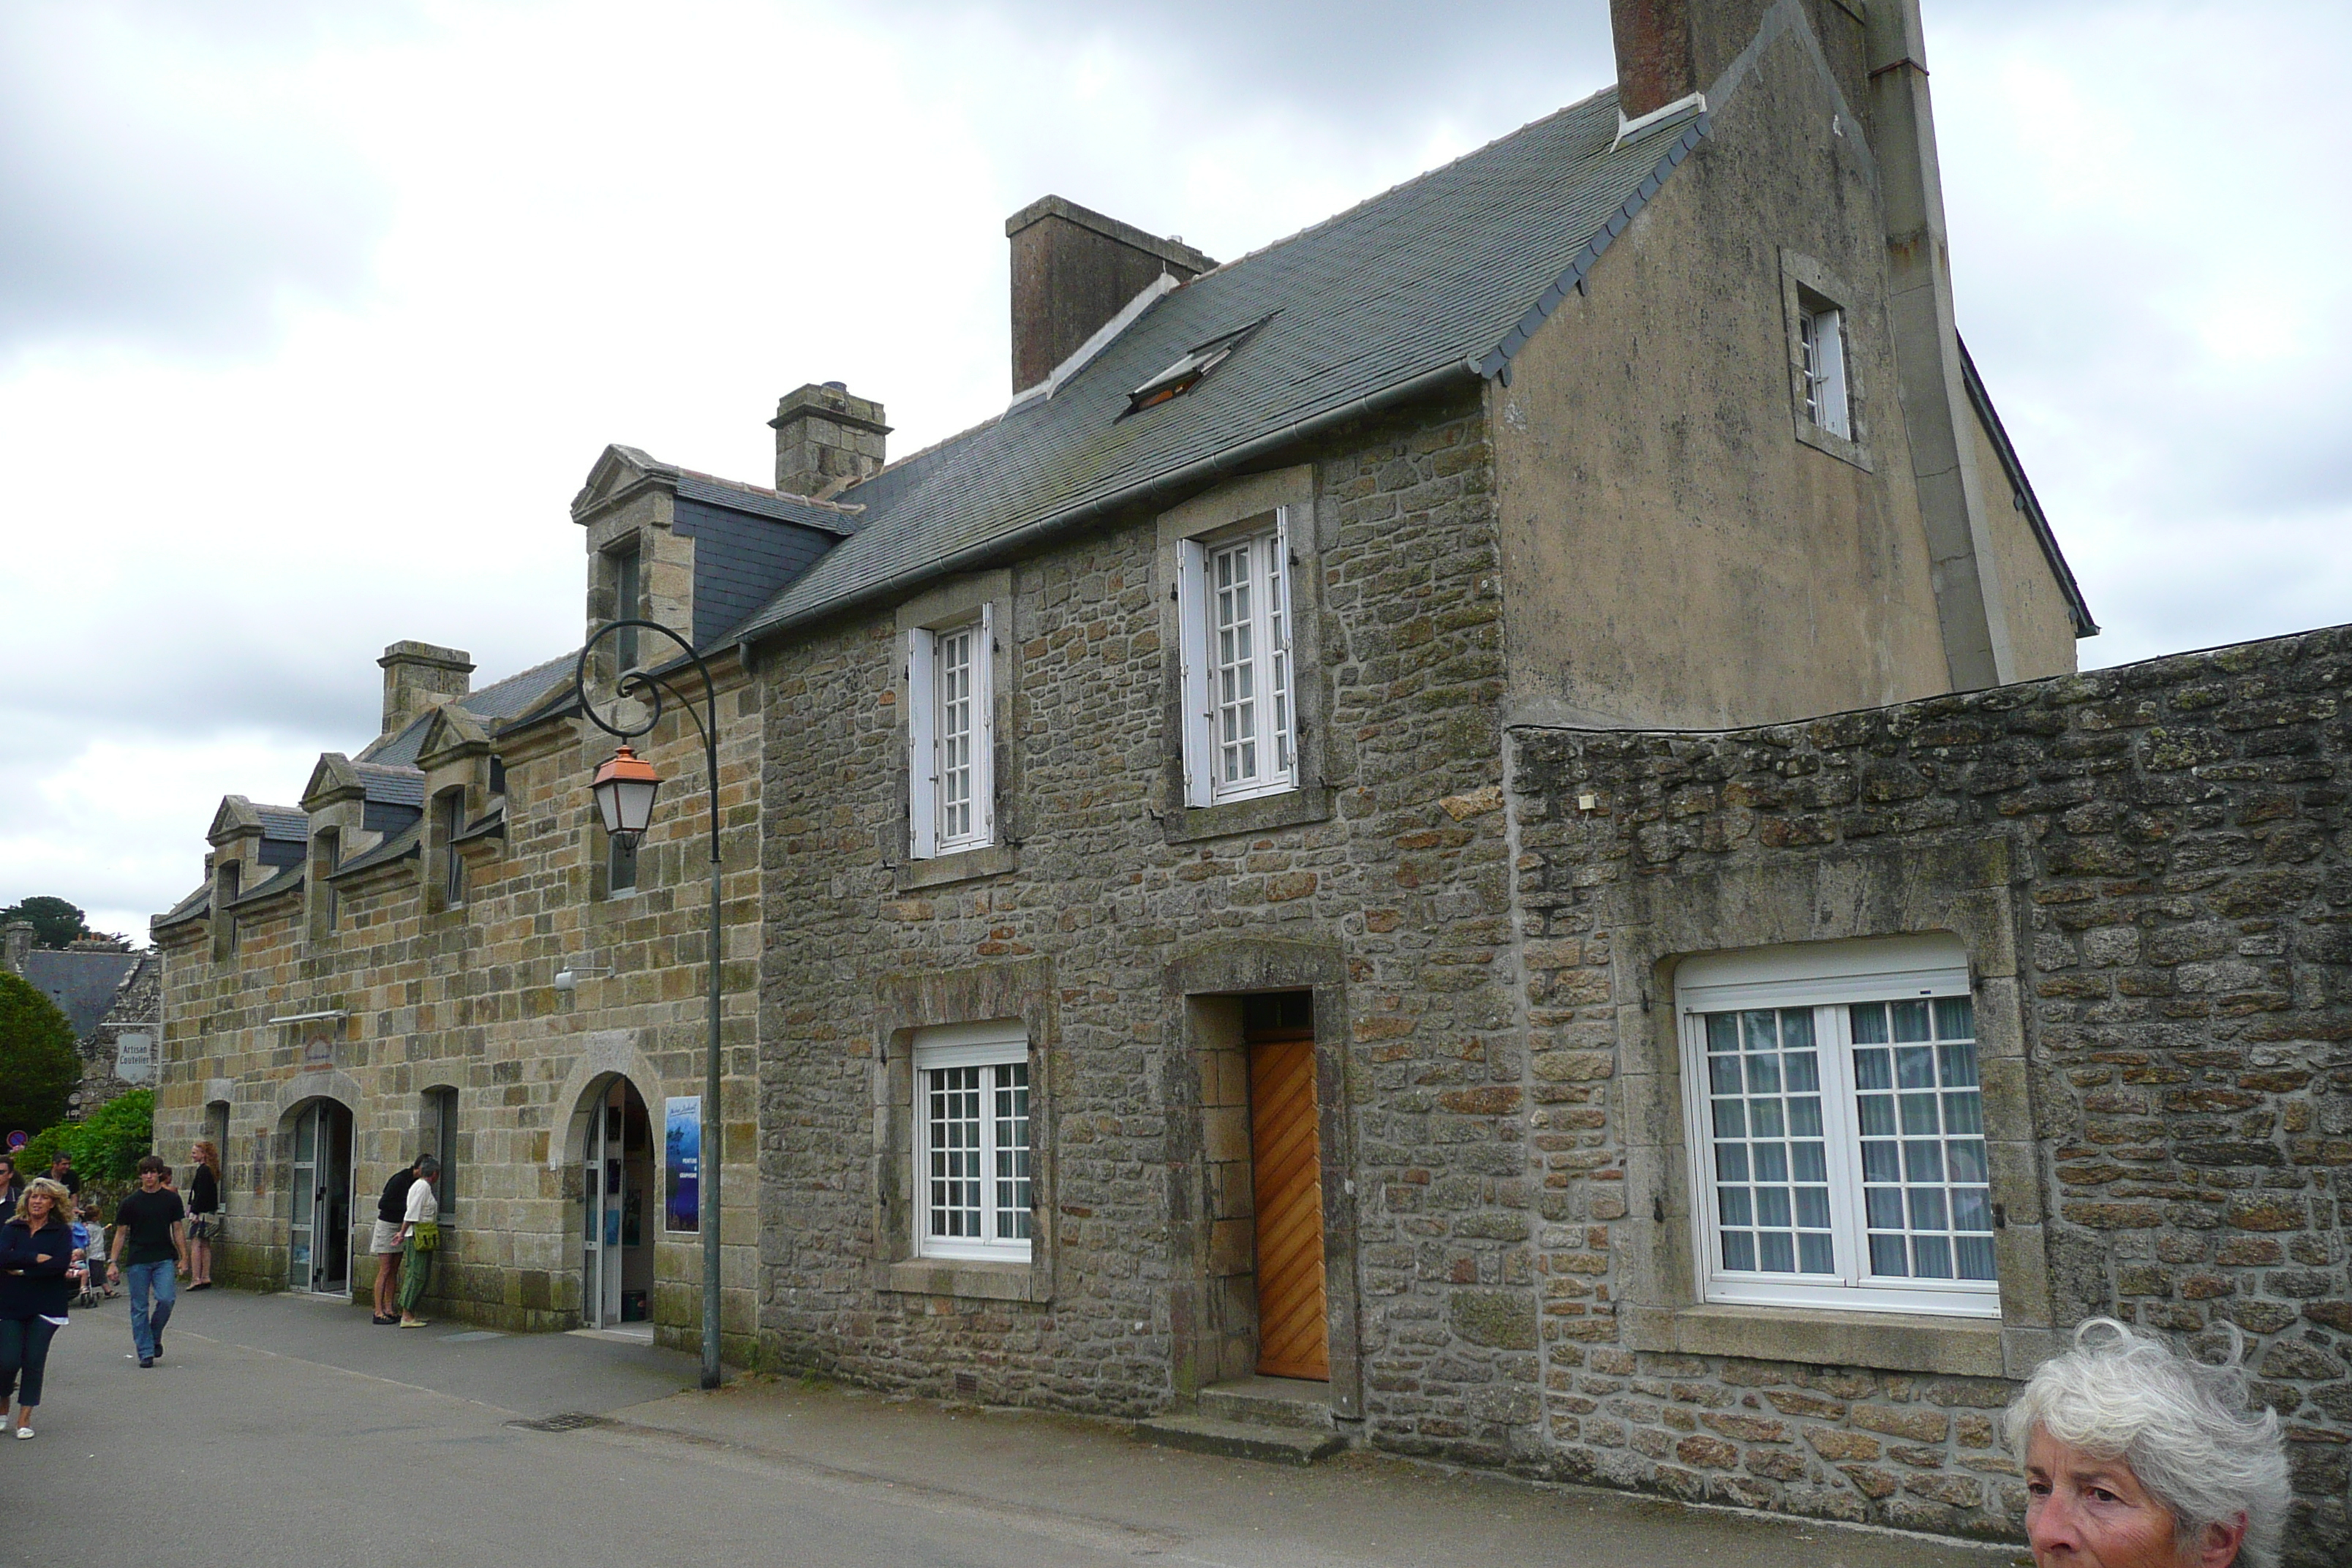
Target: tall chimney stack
[(418, 676), (826, 438), (1668, 49), (1071, 271)]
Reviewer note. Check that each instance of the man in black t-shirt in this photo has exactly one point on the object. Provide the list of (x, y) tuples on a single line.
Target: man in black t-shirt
[(62, 1173), (149, 1246), (390, 1210)]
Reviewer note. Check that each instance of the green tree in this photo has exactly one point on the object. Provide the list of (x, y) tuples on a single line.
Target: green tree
[(109, 1143), (56, 923), (38, 1064), (106, 1146)]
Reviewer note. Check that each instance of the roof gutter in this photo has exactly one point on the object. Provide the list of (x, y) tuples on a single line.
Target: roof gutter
[(974, 556)]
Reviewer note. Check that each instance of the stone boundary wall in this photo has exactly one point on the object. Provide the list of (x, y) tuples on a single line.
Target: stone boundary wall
[(2178, 832)]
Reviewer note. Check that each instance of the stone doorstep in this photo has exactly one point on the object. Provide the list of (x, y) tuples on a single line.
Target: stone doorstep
[(1283, 1420), (1240, 1439), (1285, 1402)]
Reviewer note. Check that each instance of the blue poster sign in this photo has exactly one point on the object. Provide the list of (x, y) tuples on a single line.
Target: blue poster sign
[(682, 1162)]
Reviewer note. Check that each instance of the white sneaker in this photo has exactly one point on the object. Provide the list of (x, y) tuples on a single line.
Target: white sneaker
[(24, 1431)]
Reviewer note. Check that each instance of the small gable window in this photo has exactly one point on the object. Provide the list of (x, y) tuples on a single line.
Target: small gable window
[(1188, 372), (1821, 333)]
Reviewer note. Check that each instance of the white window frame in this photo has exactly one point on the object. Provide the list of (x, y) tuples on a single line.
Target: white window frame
[(988, 1049), (1825, 977), (1272, 633), (928, 835), (1820, 338)]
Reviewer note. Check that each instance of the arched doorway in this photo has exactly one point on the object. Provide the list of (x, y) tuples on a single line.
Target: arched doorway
[(319, 1235), (622, 1209)]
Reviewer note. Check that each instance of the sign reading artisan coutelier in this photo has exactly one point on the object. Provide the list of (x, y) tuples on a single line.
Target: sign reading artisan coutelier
[(134, 1058)]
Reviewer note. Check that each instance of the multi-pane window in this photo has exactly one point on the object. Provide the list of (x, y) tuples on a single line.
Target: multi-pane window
[(958, 731), (1240, 729), (1837, 1129), (1821, 339), (1927, 1193), (973, 1191), (950, 755)]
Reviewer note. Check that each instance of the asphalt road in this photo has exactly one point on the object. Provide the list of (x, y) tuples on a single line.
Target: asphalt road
[(279, 1430)]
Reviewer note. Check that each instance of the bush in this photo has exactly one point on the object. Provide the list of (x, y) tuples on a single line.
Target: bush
[(38, 1064), (111, 1141), (106, 1147)]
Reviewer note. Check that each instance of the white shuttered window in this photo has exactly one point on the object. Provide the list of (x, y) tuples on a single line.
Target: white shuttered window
[(1240, 713), (952, 762)]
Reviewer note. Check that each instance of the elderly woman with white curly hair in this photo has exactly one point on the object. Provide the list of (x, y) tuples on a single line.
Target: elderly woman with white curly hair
[(2136, 1456)]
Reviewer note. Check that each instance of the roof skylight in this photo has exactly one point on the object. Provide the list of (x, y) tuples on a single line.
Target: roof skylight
[(1188, 372)]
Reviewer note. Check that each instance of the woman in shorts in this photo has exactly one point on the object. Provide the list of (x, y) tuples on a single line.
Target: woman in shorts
[(204, 1214)]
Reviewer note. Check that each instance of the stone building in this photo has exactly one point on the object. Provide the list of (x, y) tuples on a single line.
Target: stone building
[(110, 995), (439, 950), (1233, 861)]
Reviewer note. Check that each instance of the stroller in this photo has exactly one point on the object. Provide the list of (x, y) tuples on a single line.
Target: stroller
[(90, 1240)]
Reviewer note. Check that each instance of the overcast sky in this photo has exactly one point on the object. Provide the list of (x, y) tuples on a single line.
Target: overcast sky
[(313, 316)]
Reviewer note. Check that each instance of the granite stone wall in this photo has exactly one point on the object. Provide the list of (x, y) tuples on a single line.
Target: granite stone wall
[(2170, 842), (464, 998), (1381, 885)]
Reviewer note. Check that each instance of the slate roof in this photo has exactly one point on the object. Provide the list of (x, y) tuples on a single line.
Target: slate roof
[(284, 880), (399, 846), (392, 785), (765, 503), (1445, 271), (285, 823), (193, 907), (496, 704), (82, 985)]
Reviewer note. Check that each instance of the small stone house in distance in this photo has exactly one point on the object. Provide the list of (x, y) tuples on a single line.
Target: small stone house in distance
[(1295, 884)]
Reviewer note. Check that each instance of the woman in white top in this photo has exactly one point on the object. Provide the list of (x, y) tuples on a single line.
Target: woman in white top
[(420, 1223)]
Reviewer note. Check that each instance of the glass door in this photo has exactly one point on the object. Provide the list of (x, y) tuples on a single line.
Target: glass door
[(603, 1185), (301, 1236), (331, 1214)]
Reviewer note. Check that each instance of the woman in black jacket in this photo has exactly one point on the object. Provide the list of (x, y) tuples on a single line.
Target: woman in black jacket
[(36, 1254)]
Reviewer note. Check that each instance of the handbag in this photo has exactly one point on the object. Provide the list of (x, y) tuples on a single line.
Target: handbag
[(427, 1236)]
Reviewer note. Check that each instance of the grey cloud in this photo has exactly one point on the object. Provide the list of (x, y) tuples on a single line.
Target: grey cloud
[(156, 194)]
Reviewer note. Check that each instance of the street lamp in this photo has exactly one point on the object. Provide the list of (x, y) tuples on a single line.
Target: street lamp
[(624, 788)]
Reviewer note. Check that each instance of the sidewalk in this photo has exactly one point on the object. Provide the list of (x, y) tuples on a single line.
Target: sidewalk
[(299, 1420), (1063, 1475)]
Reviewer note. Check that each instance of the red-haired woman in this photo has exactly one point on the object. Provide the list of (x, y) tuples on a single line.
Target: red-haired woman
[(203, 1214)]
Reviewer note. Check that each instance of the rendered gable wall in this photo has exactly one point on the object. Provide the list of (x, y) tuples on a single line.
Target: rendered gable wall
[(1674, 555)]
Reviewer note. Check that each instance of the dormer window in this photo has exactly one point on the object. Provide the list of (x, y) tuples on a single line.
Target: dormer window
[(1188, 372), (628, 586), (225, 911)]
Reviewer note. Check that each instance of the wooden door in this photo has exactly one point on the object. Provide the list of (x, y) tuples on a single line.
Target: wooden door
[(1286, 1169)]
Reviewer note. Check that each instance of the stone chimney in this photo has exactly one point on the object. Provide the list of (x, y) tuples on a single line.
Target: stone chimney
[(1071, 271), (1668, 49), (17, 945), (417, 676), (826, 438)]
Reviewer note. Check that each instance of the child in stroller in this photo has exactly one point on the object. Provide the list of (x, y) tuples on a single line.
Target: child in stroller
[(90, 1252)]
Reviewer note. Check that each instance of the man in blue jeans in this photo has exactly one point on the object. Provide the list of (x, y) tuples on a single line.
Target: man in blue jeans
[(150, 1247)]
